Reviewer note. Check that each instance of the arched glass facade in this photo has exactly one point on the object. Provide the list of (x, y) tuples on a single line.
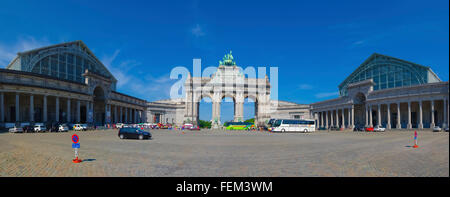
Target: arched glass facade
[(66, 61), (67, 66), (387, 72)]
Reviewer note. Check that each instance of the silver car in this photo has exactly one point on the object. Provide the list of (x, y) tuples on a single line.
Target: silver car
[(437, 129), (16, 130)]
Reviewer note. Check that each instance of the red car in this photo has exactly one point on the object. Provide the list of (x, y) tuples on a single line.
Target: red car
[(368, 129)]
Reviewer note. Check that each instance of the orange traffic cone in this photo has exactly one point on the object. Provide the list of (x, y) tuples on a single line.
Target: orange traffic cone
[(415, 140), (76, 160)]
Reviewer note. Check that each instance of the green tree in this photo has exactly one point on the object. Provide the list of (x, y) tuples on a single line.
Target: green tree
[(252, 120), (204, 124)]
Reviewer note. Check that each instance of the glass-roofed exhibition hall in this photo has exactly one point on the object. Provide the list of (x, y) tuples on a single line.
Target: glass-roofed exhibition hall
[(63, 83), (387, 92), (388, 72), (66, 61)]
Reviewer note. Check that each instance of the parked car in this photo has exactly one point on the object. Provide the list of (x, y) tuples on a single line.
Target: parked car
[(446, 129), (28, 129), (63, 128), (322, 128), (133, 133), (358, 128), (84, 126), (379, 128), (334, 128), (78, 127), (15, 130), (368, 128), (119, 125), (437, 129), (39, 128), (187, 126), (194, 128)]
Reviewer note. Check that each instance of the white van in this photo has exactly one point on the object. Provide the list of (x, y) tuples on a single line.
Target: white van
[(39, 128)]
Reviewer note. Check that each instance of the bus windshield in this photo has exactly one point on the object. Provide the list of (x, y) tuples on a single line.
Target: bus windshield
[(277, 123)]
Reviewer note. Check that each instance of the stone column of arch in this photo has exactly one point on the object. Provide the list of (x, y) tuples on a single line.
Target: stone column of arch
[(239, 108)]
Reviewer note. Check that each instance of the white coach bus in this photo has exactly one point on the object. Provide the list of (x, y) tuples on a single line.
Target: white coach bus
[(285, 125)]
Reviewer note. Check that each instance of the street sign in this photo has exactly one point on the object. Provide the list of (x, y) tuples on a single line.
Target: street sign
[(75, 138), (76, 145)]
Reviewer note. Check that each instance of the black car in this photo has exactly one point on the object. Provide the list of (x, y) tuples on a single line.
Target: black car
[(358, 129), (133, 133), (334, 128), (28, 129)]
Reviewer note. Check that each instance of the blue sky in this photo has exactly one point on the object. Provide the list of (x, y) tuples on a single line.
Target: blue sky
[(314, 44)]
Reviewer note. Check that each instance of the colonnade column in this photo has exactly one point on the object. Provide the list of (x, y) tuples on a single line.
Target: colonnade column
[(399, 117), (343, 118), (331, 118), (420, 115), (379, 115), (409, 126), (353, 117), (432, 124), (388, 125), (367, 116), (326, 119), (337, 118), (370, 116), (321, 117), (17, 107)]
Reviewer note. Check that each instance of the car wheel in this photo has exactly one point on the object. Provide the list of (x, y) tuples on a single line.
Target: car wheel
[(121, 136), (282, 130), (141, 137), (306, 130)]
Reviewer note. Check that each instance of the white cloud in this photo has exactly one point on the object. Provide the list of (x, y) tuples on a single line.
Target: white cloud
[(359, 42), (9, 51), (146, 87), (197, 31), (305, 87), (326, 94)]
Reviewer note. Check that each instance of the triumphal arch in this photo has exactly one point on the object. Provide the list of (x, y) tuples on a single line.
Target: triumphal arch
[(229, 81)]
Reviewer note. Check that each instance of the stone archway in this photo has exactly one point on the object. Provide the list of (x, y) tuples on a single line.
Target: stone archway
[(228, 81), (359, 101), (98, 113)]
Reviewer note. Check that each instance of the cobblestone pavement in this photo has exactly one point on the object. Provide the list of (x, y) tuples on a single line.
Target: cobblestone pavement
[(226, 153)]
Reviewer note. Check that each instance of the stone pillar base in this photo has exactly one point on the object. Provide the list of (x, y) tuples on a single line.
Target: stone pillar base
[(432, 125), (399, 126), (388, 126), (420, 126), (409, 126)]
